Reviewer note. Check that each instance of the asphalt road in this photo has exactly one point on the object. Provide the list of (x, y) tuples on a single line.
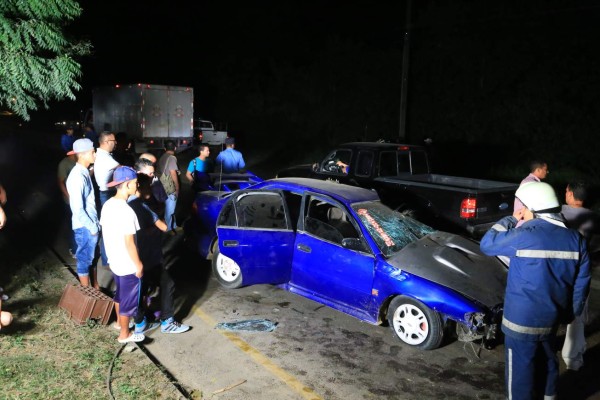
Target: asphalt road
[(314, 353)]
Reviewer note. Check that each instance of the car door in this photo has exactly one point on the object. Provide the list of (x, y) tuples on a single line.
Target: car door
[(255, 231), (321, 264)]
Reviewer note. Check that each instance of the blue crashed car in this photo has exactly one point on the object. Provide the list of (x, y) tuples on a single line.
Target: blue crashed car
[(340, 246)]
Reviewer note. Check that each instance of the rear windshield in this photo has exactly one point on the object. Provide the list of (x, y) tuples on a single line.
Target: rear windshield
[(391, 230)]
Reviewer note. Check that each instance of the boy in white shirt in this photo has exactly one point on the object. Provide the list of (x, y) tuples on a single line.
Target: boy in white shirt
[(119, 226)]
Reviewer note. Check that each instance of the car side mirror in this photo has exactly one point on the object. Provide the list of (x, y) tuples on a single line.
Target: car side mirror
[(352, 244), (315, 167)]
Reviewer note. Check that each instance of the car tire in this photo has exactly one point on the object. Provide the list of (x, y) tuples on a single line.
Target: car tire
[(227, 272), (415, 324)]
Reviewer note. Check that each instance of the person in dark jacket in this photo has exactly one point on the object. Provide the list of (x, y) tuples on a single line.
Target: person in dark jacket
[(548, 283)]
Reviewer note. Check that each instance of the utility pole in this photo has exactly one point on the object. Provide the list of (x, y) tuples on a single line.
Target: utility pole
[(405, 61)]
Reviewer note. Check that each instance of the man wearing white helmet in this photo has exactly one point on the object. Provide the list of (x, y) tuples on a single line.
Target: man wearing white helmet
[(548, 283)]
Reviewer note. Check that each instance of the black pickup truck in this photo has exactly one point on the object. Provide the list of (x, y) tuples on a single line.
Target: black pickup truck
[(401, 175)]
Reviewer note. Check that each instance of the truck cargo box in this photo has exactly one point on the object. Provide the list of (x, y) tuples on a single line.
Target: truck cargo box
[(149, 114)]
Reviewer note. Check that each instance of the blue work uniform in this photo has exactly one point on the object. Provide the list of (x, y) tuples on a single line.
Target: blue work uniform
[(548, 283)]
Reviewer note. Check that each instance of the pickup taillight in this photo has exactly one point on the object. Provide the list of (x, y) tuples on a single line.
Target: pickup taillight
[(468, 208), (200, 135)]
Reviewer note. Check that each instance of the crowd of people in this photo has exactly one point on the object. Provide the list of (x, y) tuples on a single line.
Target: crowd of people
[(123, 212)]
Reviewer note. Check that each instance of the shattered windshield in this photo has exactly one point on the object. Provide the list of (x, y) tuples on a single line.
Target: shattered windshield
[(391, 230)]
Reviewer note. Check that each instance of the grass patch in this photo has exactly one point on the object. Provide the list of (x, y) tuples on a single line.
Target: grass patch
[(44, 355)]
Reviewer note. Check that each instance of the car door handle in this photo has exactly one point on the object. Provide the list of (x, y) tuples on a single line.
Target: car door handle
[(304, 248), (230, 243)]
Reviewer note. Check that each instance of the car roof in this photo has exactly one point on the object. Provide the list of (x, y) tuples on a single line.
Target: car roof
[(381, 146), (346, 193)]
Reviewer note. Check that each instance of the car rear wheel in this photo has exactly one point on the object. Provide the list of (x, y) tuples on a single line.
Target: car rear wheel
[(415, 324), (227, 271)]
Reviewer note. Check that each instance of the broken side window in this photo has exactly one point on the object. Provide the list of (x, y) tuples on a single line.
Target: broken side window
[(261, 210)]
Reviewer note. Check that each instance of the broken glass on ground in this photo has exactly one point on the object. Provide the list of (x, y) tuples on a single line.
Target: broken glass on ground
[(250, 325)]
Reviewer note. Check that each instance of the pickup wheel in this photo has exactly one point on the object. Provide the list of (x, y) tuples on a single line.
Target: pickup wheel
[(415, 324), (227, 272)]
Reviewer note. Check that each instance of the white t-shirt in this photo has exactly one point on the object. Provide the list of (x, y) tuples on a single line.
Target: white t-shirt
[(104, 166), (118, 220)]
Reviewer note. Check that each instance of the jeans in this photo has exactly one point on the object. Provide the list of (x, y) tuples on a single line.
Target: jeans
[(86, 247), (104, 196), (157, 275), (170, 204)]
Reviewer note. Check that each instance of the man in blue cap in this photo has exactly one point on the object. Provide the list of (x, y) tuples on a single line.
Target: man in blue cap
[(84, 220)]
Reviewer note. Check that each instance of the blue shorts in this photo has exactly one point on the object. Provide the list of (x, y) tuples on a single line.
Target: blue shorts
[(128, 294), (86, 248)]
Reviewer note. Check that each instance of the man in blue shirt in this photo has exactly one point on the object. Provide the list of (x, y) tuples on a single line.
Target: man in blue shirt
[(67, 139), (197, 170), (230, 160), (83, 207)]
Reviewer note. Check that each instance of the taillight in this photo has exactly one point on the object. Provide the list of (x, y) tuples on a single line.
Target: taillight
[(200, 136), (468, 208)]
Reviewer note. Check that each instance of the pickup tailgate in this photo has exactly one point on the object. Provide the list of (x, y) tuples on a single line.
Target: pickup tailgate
[(444, 196)]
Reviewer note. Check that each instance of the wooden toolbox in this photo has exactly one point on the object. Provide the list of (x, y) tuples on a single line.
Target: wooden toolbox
[(84, 303)]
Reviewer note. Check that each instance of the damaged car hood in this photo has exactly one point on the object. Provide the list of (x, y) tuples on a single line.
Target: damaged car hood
[(457, 263)]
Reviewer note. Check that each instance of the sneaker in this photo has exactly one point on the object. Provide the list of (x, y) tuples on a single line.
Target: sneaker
[(144, 327), (171, 326)]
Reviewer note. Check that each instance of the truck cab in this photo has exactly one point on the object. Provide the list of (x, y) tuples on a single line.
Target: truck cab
[(401, 175)]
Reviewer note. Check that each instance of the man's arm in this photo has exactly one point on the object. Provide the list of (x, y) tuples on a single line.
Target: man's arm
[(500, 240), (133, 253), (2, 196), (63, 187), (581, 288), (174, 174), (241, 163)]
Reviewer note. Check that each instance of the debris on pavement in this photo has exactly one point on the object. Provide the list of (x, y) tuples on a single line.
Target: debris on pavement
[(251, 325), (229, 387)]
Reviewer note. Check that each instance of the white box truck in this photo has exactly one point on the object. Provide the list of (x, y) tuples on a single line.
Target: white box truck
[(148, 114)]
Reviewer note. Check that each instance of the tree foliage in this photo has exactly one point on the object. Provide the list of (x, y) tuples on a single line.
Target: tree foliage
[(37, 59)]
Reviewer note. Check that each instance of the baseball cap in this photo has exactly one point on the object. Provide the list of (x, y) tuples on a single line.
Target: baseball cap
[(81, 146), (122, 174)]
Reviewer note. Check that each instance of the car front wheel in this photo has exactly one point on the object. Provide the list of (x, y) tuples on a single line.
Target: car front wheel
[(227, 271), (415, 323)]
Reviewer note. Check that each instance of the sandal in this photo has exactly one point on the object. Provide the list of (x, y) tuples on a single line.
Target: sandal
[(118, 327), (134, 337)]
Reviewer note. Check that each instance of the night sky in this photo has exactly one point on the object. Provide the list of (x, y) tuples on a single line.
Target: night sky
[(516, 78)]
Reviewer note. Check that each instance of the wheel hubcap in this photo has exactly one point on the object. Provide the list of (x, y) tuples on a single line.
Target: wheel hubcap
[(410, 324), (227, 268)]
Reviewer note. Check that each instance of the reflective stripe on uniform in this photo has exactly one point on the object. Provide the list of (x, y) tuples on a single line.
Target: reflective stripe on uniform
[(525, 329), (563, 255), (509, 383), (499, 228)]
